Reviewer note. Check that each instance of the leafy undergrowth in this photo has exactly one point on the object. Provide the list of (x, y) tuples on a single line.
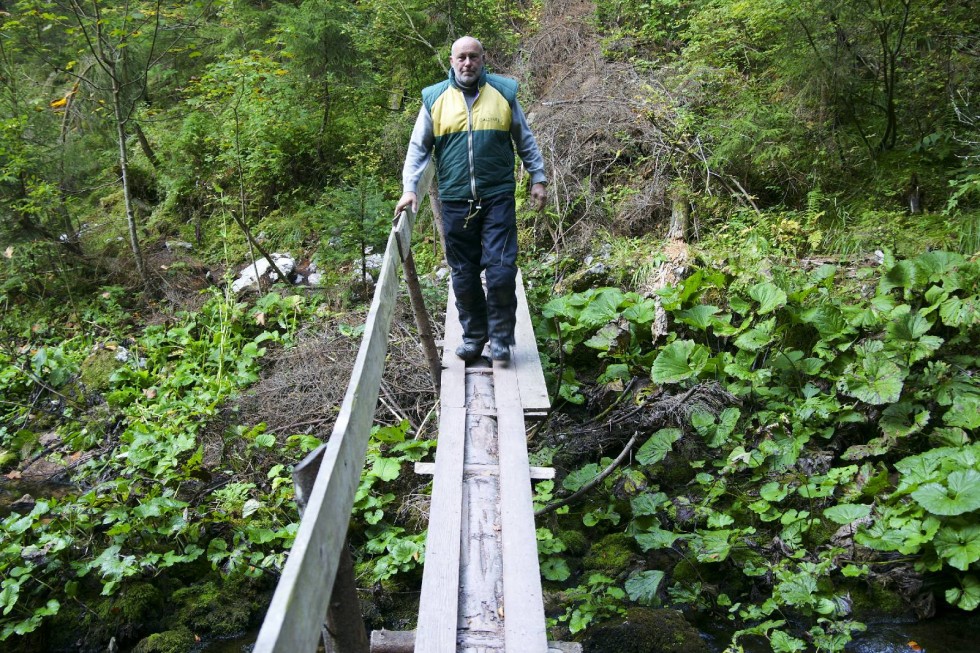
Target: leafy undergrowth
[(821, 443), (159, 494)]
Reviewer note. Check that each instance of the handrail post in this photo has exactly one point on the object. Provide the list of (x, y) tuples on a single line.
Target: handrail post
[(422, 321), (344, 632)]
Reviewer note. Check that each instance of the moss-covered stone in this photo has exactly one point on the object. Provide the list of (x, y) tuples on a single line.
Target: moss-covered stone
[(139, 603), (645, 630), (178, 640), (97, 368), (609, 555), (217, 608), (871, 601), (576, 544)]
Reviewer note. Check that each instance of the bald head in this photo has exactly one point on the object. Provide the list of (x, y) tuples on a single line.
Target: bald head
[(466, 58)]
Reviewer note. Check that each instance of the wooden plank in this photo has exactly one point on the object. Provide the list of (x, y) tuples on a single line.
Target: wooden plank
[(403, 641), (440, 577), (537, 473), (453, 368), (295, 616), (481, 568), (530, 376), (524, 625)]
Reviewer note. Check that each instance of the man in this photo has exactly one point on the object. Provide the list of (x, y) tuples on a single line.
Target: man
[(472, 122)]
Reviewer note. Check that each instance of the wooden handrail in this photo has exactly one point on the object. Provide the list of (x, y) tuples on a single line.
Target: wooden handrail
[(296, 615)]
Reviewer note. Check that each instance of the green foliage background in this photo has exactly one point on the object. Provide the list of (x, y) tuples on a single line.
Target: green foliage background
[(805, 136)]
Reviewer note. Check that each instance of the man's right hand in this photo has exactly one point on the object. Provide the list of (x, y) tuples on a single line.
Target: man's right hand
[(408, 199)]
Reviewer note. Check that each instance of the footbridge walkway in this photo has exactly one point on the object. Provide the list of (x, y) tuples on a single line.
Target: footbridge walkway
[(481, 585)]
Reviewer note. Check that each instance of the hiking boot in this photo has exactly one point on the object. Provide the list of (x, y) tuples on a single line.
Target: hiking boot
[(499, 350), (470, 350)]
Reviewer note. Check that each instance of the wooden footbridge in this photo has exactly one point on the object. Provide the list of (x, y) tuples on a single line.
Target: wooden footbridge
[(481, 585)]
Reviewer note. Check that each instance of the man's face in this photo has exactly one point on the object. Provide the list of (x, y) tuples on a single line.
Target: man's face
[(467, 60)]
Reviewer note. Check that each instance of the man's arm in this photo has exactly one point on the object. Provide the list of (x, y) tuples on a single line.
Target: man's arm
[(417, 158), (527, 149)]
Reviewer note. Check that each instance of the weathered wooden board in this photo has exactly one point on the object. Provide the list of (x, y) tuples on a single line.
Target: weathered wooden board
[(524, 625), (295, 616), (527, 364), (436, 630), (537, 473), (453, 368)]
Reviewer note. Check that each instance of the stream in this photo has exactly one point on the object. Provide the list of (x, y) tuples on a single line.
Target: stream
[(949, 633)]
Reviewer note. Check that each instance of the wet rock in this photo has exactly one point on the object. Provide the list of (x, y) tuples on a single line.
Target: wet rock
[(646, 630), (247, 276), (23, 505), (178, 640), (173, 245)]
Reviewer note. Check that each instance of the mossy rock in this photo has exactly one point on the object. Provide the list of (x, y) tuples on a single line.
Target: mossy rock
[(871, 601), (575, 542), (97, 369), (645, 630), (217, 608), (140, 603), (178, 640), (610, 555)]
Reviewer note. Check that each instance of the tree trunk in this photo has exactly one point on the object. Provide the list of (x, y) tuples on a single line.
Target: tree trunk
[(145, 145), (134, 241), (679, 216)]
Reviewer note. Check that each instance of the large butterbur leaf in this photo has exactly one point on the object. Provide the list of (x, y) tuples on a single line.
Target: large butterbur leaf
[(878, 382), (966, 597), (698, 316), (960, 494), (678, 361), (909, 333), (658, 446), (769, 296), (959, 546)]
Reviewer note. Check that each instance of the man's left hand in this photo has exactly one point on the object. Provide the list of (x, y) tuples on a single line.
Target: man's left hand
[(539, 196)]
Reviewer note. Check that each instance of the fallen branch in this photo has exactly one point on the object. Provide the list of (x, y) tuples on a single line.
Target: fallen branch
[(591, 484)]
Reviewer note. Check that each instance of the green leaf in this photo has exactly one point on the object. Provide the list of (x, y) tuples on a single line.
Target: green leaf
[(642, 587), (580, 477), (698, 317), (642, 312), (768, 295), (386, 469), (265, 440), (964, 413), (556, 569), (960, 546), (656, 538), (877, 381), (658, 446), (847, 513), (647, 503), (680, 360), (784, 643), (967, 597), (753, 339), (961, 494)]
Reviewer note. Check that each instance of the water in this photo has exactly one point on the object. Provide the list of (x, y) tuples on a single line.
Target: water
[(949, 633)]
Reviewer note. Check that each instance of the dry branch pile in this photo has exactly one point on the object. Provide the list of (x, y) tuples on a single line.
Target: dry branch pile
[(303, 391), (596, 120)]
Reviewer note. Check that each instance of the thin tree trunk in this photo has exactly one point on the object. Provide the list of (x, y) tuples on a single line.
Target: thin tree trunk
[(134, 241), (679, 216), (145, 145)]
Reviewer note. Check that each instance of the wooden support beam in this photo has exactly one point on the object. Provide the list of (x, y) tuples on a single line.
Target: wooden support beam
[(537, 473), (403, 641)]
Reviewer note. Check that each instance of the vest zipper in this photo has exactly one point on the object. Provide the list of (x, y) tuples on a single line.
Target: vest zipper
[(469, 142)]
